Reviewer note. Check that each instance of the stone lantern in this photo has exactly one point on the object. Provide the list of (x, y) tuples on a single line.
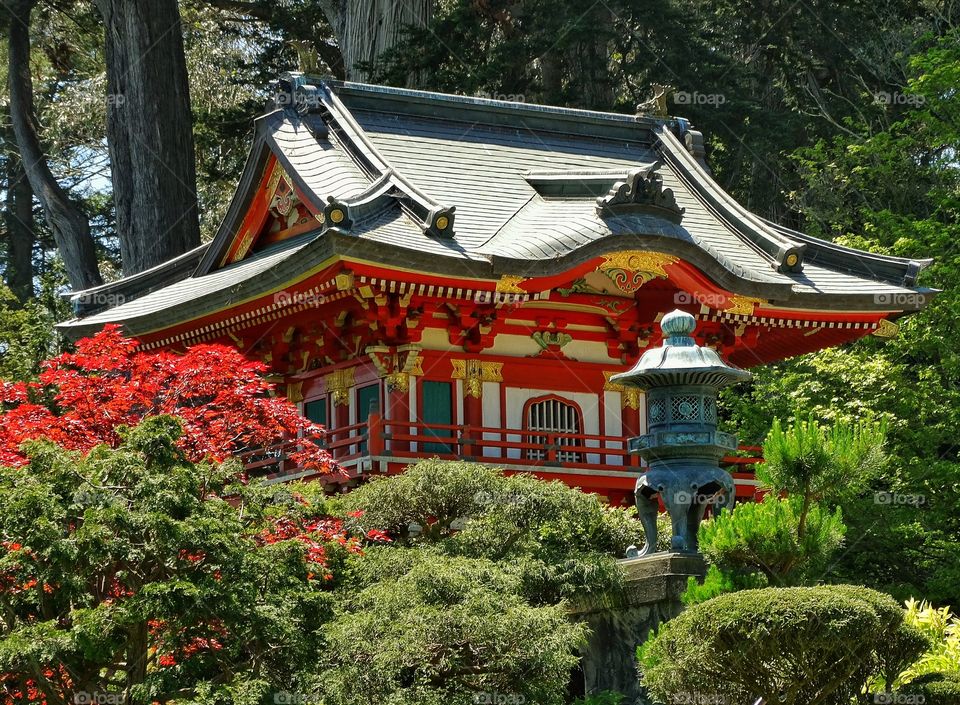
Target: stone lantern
[(682, 445)]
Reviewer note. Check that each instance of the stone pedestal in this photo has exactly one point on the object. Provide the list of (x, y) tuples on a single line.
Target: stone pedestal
[(621, 622)]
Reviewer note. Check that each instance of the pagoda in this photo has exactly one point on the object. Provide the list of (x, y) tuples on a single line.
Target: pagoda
[(438, 275)]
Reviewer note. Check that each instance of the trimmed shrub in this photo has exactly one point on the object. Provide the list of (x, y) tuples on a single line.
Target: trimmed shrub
[(787, 645)]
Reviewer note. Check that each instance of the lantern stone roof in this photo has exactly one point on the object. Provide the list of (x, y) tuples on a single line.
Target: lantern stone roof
[(476, 188)]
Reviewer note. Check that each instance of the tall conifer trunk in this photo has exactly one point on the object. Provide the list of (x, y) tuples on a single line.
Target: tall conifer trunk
[(366, 29), (150, 132), (18, 217), (71, 229)]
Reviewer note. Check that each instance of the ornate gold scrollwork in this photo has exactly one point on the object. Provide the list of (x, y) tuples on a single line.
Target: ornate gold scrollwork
[(743, 305), (509, 284), (631, 269), (339, 383), (474, 373)]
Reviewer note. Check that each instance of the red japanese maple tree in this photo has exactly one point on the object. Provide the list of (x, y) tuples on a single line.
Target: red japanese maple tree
[(223, 400)]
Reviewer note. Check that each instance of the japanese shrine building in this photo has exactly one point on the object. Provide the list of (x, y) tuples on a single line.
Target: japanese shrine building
[(431, 274)]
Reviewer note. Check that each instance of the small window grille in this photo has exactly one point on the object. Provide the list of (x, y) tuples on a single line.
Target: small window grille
[(554, 416)]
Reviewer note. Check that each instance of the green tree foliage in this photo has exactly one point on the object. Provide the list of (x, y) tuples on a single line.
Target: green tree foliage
[(471, 596), (942, 628), (787, 645), (560, 542), (817, 463), (765, 538), (125, 572), (26, 336), (890, 185), (432, 628), (790, 536)]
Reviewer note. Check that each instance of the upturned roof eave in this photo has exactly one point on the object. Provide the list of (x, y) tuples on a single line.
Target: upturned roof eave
[(332, 245)]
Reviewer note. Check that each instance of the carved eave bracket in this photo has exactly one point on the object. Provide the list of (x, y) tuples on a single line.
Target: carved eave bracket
[(339, 382), (396, 364), (641, 192)]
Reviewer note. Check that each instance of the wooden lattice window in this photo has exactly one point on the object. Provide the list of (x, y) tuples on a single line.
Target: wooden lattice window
[(553, 414)]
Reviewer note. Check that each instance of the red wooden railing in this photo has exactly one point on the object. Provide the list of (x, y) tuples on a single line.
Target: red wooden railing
[(388, 439)]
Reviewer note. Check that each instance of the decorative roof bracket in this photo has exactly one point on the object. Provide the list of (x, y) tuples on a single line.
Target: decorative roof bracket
[(642, 191)]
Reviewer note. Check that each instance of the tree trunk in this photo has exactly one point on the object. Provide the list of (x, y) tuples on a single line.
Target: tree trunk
[(366, 29), (149, 132), (71, 229), (18, 218)]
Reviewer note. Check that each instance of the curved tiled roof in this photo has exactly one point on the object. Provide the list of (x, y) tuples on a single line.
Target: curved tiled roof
[(517, 186)]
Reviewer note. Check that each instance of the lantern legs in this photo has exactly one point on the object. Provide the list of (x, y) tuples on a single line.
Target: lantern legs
[(686, 494)]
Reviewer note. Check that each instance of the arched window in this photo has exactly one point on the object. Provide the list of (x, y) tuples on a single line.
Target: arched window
[(553, 414)]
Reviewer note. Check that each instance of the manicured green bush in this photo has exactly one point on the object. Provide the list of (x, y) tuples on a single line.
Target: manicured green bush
[(934, 688), (468, 600), (788, 645)]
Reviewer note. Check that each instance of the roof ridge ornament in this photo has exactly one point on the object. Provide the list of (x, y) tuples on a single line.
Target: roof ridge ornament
[(642, 191)]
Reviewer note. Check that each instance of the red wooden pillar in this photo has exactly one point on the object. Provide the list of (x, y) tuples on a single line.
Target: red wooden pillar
[(398, 408), (339, 382), (375, 440), (472, 405), (630, 417)]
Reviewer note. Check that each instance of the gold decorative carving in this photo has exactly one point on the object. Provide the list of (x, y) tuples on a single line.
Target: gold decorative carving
[(743, 305), (339, 383), (474, 373), (398, 382), (395, 365), (886, 329), (417, 368), (629, 396), (295, 391), (509, 284), (631, 269), (274, 180), (243, 248)]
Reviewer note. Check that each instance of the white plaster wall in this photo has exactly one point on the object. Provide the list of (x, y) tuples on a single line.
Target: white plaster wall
[(458, 395), (491, 416), (516, 397), (613, 424)]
